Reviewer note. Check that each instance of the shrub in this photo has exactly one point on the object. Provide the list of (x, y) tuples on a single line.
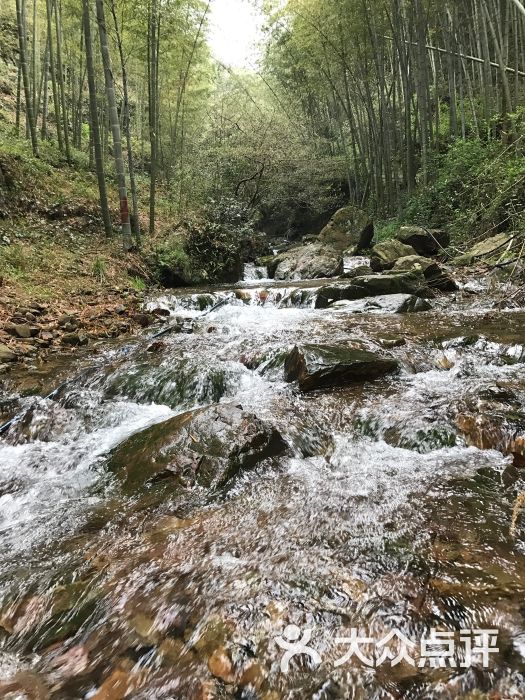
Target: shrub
[(211, 249), (477, 187)]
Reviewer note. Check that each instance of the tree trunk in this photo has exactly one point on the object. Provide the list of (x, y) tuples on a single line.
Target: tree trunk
[(25, 77), (61, 86), (135, 221), (93, 111), (153, 111), (115, 127)]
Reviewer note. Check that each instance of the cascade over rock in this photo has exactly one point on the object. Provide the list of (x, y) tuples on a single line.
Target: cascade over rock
[(206, 448)]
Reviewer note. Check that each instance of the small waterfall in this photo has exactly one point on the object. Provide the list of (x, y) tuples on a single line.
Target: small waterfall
[(254, 273), (355, 261)]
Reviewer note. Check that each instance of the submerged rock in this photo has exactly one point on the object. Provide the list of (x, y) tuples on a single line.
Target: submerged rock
[(373, 285), (350, 229), (312, 261), (424, 241), (385, 254), (386, 304), (324, 366), (436, 277), (206, 447)]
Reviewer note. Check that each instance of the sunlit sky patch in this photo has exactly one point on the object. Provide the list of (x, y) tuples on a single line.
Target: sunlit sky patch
[(235, 32)]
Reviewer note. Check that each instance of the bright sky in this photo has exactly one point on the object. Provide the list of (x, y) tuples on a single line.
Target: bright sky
[(235, 30)]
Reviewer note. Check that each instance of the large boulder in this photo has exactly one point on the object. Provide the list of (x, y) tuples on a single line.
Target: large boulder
[(385, 254), (435, 276), (312, 261), (350, 229), (324, 366), (485, 250), (424, 241), (386, 304), (373, 285), (206, 448)]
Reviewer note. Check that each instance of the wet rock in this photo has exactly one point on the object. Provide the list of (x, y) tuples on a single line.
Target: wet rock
[(387, 304), (349, 229), (494, 246), (324, 366), (206, 448), (424, 241), (25, 684), (143, 320), (6, 354), (253, 676), (160, 312), (157, 346), (44, 619), (373, 285), (385, 254), (306, 262), (436, 277), (119, 685), (489, 426), (390, 343)]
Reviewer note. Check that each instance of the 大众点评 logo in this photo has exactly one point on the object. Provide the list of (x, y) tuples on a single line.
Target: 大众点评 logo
[(438, 649)]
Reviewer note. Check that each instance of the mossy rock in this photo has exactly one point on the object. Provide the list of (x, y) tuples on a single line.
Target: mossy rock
[(350, 229)]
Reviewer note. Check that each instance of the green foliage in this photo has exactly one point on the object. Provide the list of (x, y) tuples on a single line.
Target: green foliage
[(137, 283), (386, 229), (99, 269), (214, 244), (13, 260), (171, 264), (477, 187), (211, 249)]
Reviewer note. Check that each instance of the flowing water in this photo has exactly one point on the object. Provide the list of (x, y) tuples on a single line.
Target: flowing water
[(382, 516)]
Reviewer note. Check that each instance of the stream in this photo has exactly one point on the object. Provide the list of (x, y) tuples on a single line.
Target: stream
[(388, 515)]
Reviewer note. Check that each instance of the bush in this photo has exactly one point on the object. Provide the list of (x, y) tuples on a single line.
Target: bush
[(211, 249), (172, 264), (215, 244), (476, 188)]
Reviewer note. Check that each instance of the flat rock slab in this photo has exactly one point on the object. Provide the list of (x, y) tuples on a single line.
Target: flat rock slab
[(326, 366), (373, 285), (205, 448), (386, 304)]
